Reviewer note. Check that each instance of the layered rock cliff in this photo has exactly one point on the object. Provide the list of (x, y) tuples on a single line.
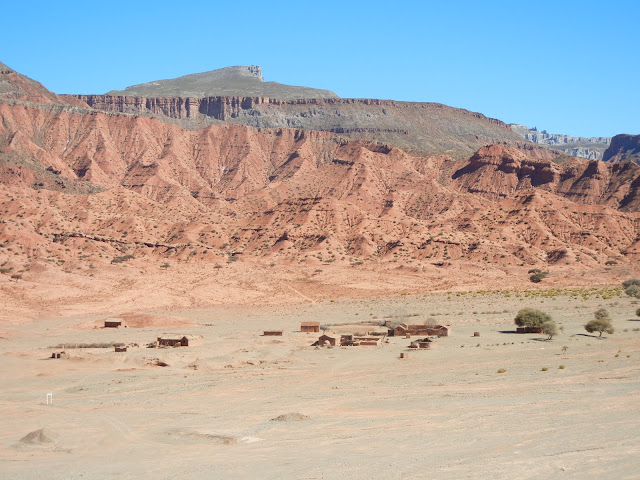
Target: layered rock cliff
[(584, 147), (623, 148), (424, 127)]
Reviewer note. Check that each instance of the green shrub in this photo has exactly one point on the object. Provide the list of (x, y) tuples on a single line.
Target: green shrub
[(550, 328), (601, 326), (633, 291), (537, 277), (502, 370), (631, 281), (530, 317), (544, 369), (122, 258)]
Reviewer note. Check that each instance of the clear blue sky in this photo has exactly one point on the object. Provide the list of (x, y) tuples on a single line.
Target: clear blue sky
[(565, 66)]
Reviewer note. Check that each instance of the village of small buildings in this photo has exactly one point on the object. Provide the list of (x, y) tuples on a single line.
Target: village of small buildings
[(377, 337)]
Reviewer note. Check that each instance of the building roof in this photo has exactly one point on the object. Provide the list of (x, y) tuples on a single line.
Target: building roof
[(180, 337), (310, 324)]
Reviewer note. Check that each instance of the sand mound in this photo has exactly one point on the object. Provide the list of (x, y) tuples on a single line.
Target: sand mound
[(38, 437), (290, 417)]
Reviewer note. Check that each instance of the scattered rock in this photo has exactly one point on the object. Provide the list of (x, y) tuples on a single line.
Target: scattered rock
[(290, 417)]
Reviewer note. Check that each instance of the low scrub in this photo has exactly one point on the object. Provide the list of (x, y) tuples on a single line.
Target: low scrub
[(538, 277), (122, 258), (89, 345)]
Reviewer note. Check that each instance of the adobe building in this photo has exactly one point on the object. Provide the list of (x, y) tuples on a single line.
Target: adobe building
[(439, 330), (310, 327), (346, 340), (272, 333), (402, 330), (374, 341), (326, 339), (183, 341), (113, 323)]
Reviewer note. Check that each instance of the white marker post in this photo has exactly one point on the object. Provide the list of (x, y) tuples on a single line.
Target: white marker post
[(49, 398)]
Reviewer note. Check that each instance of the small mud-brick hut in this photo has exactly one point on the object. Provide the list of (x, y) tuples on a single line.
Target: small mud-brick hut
[(114, 323), (326, 339), (403, 329), (272, 333), (184, 341), (310, 327)]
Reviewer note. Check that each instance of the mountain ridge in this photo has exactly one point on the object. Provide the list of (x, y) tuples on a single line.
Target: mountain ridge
[(82, 186), (585, 147), (225, 82)]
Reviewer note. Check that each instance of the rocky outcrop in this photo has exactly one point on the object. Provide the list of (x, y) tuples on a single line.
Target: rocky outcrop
[(500, 172), (623, 148), (584, 147), (423, 127)]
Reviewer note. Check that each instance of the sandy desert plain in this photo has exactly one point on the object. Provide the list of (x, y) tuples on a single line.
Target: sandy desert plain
[(243, 405)]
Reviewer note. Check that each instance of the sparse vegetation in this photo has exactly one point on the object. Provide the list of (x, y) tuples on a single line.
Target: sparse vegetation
[(633, 291), (502, 370), (123, 258), (89, 345), (538, 277), (551, 329), (530, 317), (601, 323)]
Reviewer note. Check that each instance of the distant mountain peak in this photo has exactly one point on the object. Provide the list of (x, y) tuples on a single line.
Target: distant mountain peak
[(586, 147), (236, 81)]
